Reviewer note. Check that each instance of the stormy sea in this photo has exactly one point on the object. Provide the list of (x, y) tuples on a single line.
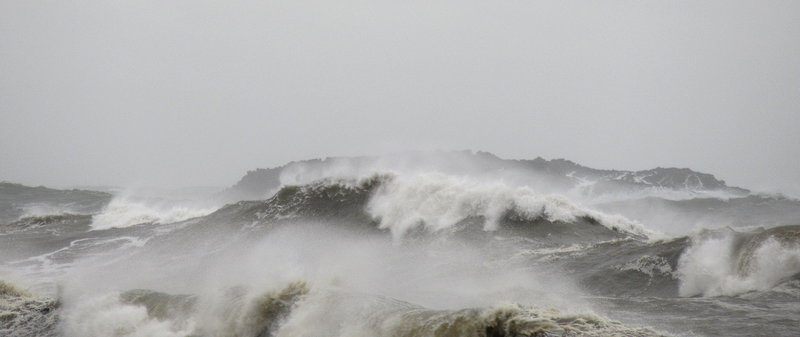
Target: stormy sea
[(438, 244)]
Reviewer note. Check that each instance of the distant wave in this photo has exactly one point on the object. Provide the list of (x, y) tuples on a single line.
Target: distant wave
[(124, 212), (413, 254)]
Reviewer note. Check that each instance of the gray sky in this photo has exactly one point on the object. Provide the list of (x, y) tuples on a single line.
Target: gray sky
[(197, 92)]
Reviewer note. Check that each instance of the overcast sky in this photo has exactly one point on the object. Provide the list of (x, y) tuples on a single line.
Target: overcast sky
[(182, 93)]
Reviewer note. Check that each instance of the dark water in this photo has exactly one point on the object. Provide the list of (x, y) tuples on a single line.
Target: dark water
[(406, 254)]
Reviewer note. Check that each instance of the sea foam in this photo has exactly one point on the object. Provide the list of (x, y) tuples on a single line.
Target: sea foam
[(125, 211), (716, 264), (435, 202)]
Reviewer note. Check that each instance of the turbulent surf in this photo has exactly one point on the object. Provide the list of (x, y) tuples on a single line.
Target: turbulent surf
[(425, 244)]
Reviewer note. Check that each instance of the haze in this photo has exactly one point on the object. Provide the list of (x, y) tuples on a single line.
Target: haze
[(180, 93)]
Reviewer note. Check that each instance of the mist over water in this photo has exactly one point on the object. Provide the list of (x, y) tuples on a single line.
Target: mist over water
[(676, 212), (431, 244)]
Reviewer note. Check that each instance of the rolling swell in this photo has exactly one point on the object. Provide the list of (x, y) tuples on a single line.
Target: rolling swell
[(506, 321), (438, 207), (61, 224), (19, 201), (710, 263), (411, 255), (432, 204), (626, 267), (475, 213)]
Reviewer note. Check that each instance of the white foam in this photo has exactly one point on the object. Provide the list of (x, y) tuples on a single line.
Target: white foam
[(585, 191), (105, 315), (709, 266), (446, 276), (649, 265), (436, 202), (125, 212), (42, 209)]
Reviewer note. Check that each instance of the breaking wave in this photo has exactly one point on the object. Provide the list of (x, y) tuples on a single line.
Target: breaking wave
[(730, 263), (501, 321), (124, 212), (318, 314), (437, 202), (417, 254), (22, 314), (297, 311)]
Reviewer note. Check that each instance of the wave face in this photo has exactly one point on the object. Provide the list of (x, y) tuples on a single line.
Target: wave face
[(730, 263), (435, 202), (18, 201), (557, 175), (449, 248)]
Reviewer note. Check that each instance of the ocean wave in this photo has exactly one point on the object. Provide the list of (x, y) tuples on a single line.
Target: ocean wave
[(730, 263), (107, 315), (24, 315), (505, 320), (43, 210), (295, 310), (650, 266), (328, 313), (142, 312), (53, 224), (124, 212), (437, 202)]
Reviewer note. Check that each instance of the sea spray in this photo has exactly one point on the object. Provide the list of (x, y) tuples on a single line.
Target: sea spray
[(125, 211), (437, 202), (25, 315), (317, 260), (729, 263)]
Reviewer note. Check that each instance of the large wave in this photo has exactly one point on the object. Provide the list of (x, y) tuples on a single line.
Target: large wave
[(355, 282), (729, 263), (438, 202), (395, 254), (295, 310)]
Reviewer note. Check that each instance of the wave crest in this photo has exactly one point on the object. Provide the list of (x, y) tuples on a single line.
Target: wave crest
[(125, 212), (505, 321), (436, 202), (731, 263)]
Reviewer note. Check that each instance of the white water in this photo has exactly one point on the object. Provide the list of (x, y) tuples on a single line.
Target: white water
[(124, 211), (363, 274), (45, 210), (105, 315), (437, 202), (357, 281), (709, 266)]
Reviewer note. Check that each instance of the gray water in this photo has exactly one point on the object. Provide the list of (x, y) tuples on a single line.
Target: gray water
[(403, 254)]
